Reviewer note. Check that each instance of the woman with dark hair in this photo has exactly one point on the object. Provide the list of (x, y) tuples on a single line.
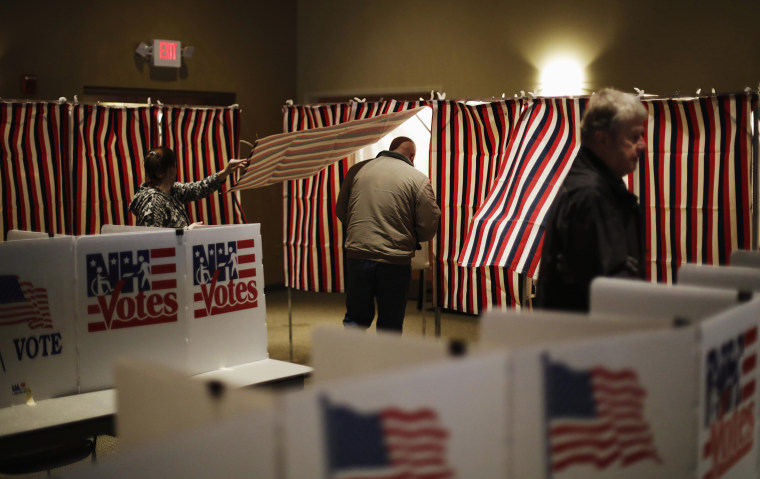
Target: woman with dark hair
[(160, 200)]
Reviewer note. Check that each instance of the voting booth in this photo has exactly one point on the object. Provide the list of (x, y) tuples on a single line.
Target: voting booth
[(189, 300), (38, 337)]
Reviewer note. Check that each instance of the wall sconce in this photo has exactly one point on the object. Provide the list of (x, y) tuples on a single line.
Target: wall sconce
[(562, 76), (165, 53)]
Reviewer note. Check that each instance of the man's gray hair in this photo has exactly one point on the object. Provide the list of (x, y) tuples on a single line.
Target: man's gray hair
[(607, 110)]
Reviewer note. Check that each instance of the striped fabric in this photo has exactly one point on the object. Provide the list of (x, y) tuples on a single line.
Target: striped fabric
[(106, 167), (695, 183), (508, 228), (312, 235), (361, 110), (300, 154), (33, 167), (467, 146), (205, 139)]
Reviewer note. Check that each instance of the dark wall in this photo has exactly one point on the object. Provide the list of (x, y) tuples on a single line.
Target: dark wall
[(244, 47), (483, 48)]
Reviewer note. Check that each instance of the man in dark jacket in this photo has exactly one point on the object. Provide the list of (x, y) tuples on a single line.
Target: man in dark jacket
[(594, 227)]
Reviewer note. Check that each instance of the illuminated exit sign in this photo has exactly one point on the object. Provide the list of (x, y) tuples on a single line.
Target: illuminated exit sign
[(167, 53)]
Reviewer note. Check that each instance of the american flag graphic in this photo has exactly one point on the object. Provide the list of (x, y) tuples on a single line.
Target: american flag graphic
[(387, 444), (21, 302), (239, 265), (596, 417), (731, 392), (156, 273)]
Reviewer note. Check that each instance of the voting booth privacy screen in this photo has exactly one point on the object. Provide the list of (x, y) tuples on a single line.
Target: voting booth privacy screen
[(73, 306)]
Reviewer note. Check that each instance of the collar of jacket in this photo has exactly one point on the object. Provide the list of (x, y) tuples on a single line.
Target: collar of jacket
[(394, 154), (616, 182)]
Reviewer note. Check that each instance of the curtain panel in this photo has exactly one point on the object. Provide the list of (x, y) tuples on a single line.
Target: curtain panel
[(205, 139), (468, 145), (312, 235), (34, 166), (695, 185), (106, 166)]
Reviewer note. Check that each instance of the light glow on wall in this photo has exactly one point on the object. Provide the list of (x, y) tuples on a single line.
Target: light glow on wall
[(562, 76)]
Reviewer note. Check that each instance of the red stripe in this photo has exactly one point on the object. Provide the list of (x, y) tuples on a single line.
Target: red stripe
[(157, 253), (164, 284), (163, 268), (726, 160), (661, 198), (748, 390), (711, 166), (677, 212), (247, 273), (749, 363), (600, 462), (750, 337), (246, 258), (20, 205)]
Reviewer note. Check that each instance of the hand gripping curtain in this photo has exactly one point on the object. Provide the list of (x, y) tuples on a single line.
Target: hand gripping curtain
[(108, 147), (695, 183), (468, 144), (34, 167), (205, 139), (312, 235), (507, 230)]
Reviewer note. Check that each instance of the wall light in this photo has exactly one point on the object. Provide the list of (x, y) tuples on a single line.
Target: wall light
[(562, 76)]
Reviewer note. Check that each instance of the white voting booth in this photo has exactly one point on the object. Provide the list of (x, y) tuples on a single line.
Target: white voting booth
[(72, 307), (623, 298), (541, 395), (38, 340)]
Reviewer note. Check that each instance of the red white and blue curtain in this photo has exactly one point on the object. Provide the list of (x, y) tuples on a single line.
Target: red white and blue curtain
[(508, 228), (204, 140), (695, 183), (33, 168), (106, 166), (312, 235), (468, 145), (71, 168)]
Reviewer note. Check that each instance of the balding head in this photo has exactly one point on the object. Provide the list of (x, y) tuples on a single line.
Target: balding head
[(405, 146)]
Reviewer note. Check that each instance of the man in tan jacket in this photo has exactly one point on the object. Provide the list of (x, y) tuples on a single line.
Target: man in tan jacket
[(387, 208)]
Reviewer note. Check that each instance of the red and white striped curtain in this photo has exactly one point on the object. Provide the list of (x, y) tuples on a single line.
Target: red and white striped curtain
[(312, 235), (33, 168), (468, 146), (106, 166), (204, 140), (695, 183)]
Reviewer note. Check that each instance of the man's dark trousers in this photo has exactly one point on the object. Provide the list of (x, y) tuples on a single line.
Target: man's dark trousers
[(369, 280)]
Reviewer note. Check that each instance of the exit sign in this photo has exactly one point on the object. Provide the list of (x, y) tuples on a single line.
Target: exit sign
[(167, 53)]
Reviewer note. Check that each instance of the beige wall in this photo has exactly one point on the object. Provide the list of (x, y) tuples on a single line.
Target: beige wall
[(483, 48), (246, 47)]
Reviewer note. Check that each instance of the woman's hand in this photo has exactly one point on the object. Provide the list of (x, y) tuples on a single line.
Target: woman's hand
[(233, 165)]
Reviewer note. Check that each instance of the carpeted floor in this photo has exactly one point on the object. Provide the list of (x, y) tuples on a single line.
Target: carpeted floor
[(308, 309)]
